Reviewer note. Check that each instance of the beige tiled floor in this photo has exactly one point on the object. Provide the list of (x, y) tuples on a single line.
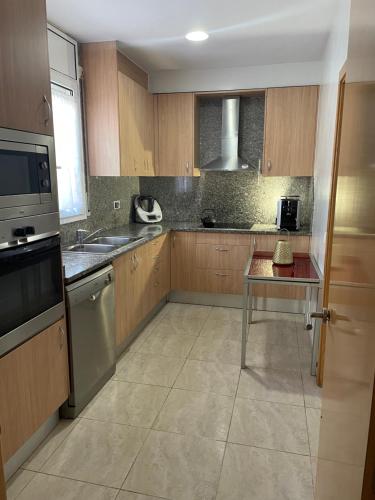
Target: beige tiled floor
[(181, 421)]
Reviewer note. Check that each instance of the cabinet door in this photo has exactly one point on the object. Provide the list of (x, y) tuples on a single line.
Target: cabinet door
[(136, 116), (183, 247), (34, 382), (148, 133), (130, 137), (290, 131), (175, 122), (25, 91), (127, 310)]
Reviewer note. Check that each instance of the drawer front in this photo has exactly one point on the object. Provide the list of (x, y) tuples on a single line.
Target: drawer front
[(218, 256), (219, 281), (223, 238)]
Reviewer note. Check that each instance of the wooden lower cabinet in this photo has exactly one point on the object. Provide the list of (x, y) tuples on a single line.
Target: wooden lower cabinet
[(142, 280), (183, 247), (219, 281), (208, 262), (34, 382), (214, 262)]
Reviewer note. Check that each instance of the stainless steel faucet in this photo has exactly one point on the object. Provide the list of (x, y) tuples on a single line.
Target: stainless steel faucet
[(80, 235)]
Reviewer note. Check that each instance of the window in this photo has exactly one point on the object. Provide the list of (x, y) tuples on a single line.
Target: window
[(67, 123)]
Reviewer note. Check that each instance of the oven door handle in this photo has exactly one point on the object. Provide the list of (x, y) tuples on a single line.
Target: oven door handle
[(29, 249)]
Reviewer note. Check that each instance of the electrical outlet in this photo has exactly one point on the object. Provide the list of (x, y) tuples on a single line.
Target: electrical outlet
[(116, 205)]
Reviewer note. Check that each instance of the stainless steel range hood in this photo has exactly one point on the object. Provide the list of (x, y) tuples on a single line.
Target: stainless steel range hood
[(229, 159)]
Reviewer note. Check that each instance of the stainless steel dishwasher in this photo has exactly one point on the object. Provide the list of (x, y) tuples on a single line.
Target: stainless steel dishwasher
[(91, 327)]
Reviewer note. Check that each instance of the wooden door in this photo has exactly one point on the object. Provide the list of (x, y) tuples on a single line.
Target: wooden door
[(346, 454), (175, 120), (34, 382), (25, 90), (290, 128)]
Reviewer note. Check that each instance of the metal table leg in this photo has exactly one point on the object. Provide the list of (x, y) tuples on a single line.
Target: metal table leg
[(316, 337), (250, 303), (244, 323), (308, 324)]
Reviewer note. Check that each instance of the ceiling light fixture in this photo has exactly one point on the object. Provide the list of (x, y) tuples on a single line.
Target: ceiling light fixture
[(196, 36)]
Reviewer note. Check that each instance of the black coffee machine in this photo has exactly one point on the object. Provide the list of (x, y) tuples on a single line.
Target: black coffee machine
[(288, 213)]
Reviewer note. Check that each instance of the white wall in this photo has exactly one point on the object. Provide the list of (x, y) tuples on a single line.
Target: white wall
[(335, 56), (250, 77)]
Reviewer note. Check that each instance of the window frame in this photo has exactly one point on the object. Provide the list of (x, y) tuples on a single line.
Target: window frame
[(73, 84)]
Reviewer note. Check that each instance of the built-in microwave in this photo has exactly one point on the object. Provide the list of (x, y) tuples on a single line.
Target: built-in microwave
[(28, 182)]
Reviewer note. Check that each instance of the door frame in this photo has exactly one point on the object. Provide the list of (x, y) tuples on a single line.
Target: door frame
[(330, 223)]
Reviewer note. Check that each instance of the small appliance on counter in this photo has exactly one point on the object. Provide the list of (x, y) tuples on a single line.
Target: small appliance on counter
[(288, 213), (147, 210), (208, 218)]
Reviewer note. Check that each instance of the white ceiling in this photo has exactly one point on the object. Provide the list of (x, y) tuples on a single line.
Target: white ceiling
[(242, 32)]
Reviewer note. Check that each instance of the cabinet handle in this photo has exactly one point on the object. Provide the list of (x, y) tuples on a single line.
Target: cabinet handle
[(222, 249), (269, 165), (135, 165), (49, 109), (187, 166), (222, 274), (260, 166), (62, 337), (156, 283)]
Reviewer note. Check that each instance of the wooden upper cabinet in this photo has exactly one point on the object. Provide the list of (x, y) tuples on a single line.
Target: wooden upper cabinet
[(25, 90), (290, 129), (119, 113), (175, 116), (136, 115)]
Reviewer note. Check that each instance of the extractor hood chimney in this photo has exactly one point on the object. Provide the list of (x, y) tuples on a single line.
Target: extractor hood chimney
[(229, 159)]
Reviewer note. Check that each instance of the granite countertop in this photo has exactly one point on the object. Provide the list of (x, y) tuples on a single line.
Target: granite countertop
[(77, 264)]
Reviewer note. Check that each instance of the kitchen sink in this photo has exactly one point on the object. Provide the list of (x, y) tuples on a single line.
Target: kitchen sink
[(114, 240), (91, 248)]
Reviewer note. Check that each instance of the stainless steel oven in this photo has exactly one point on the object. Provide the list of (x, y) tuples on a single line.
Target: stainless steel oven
[(28, 183), (31, 289)]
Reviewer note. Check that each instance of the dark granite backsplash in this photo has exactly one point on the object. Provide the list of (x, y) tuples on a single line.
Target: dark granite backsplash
[(103, 191), (240, 197)]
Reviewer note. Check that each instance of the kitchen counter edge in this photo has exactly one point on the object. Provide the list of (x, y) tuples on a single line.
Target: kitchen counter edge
[(78, 265)]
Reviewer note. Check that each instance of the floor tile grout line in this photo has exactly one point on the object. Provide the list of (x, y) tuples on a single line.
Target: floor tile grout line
[(26, 485), (270, 449), (151, 428), (270, 401), (75, 422), (226, 441), (143, 494), (308, 437), (73, 479)]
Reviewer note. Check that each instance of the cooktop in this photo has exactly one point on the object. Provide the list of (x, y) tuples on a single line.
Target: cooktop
[(231, 225)]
